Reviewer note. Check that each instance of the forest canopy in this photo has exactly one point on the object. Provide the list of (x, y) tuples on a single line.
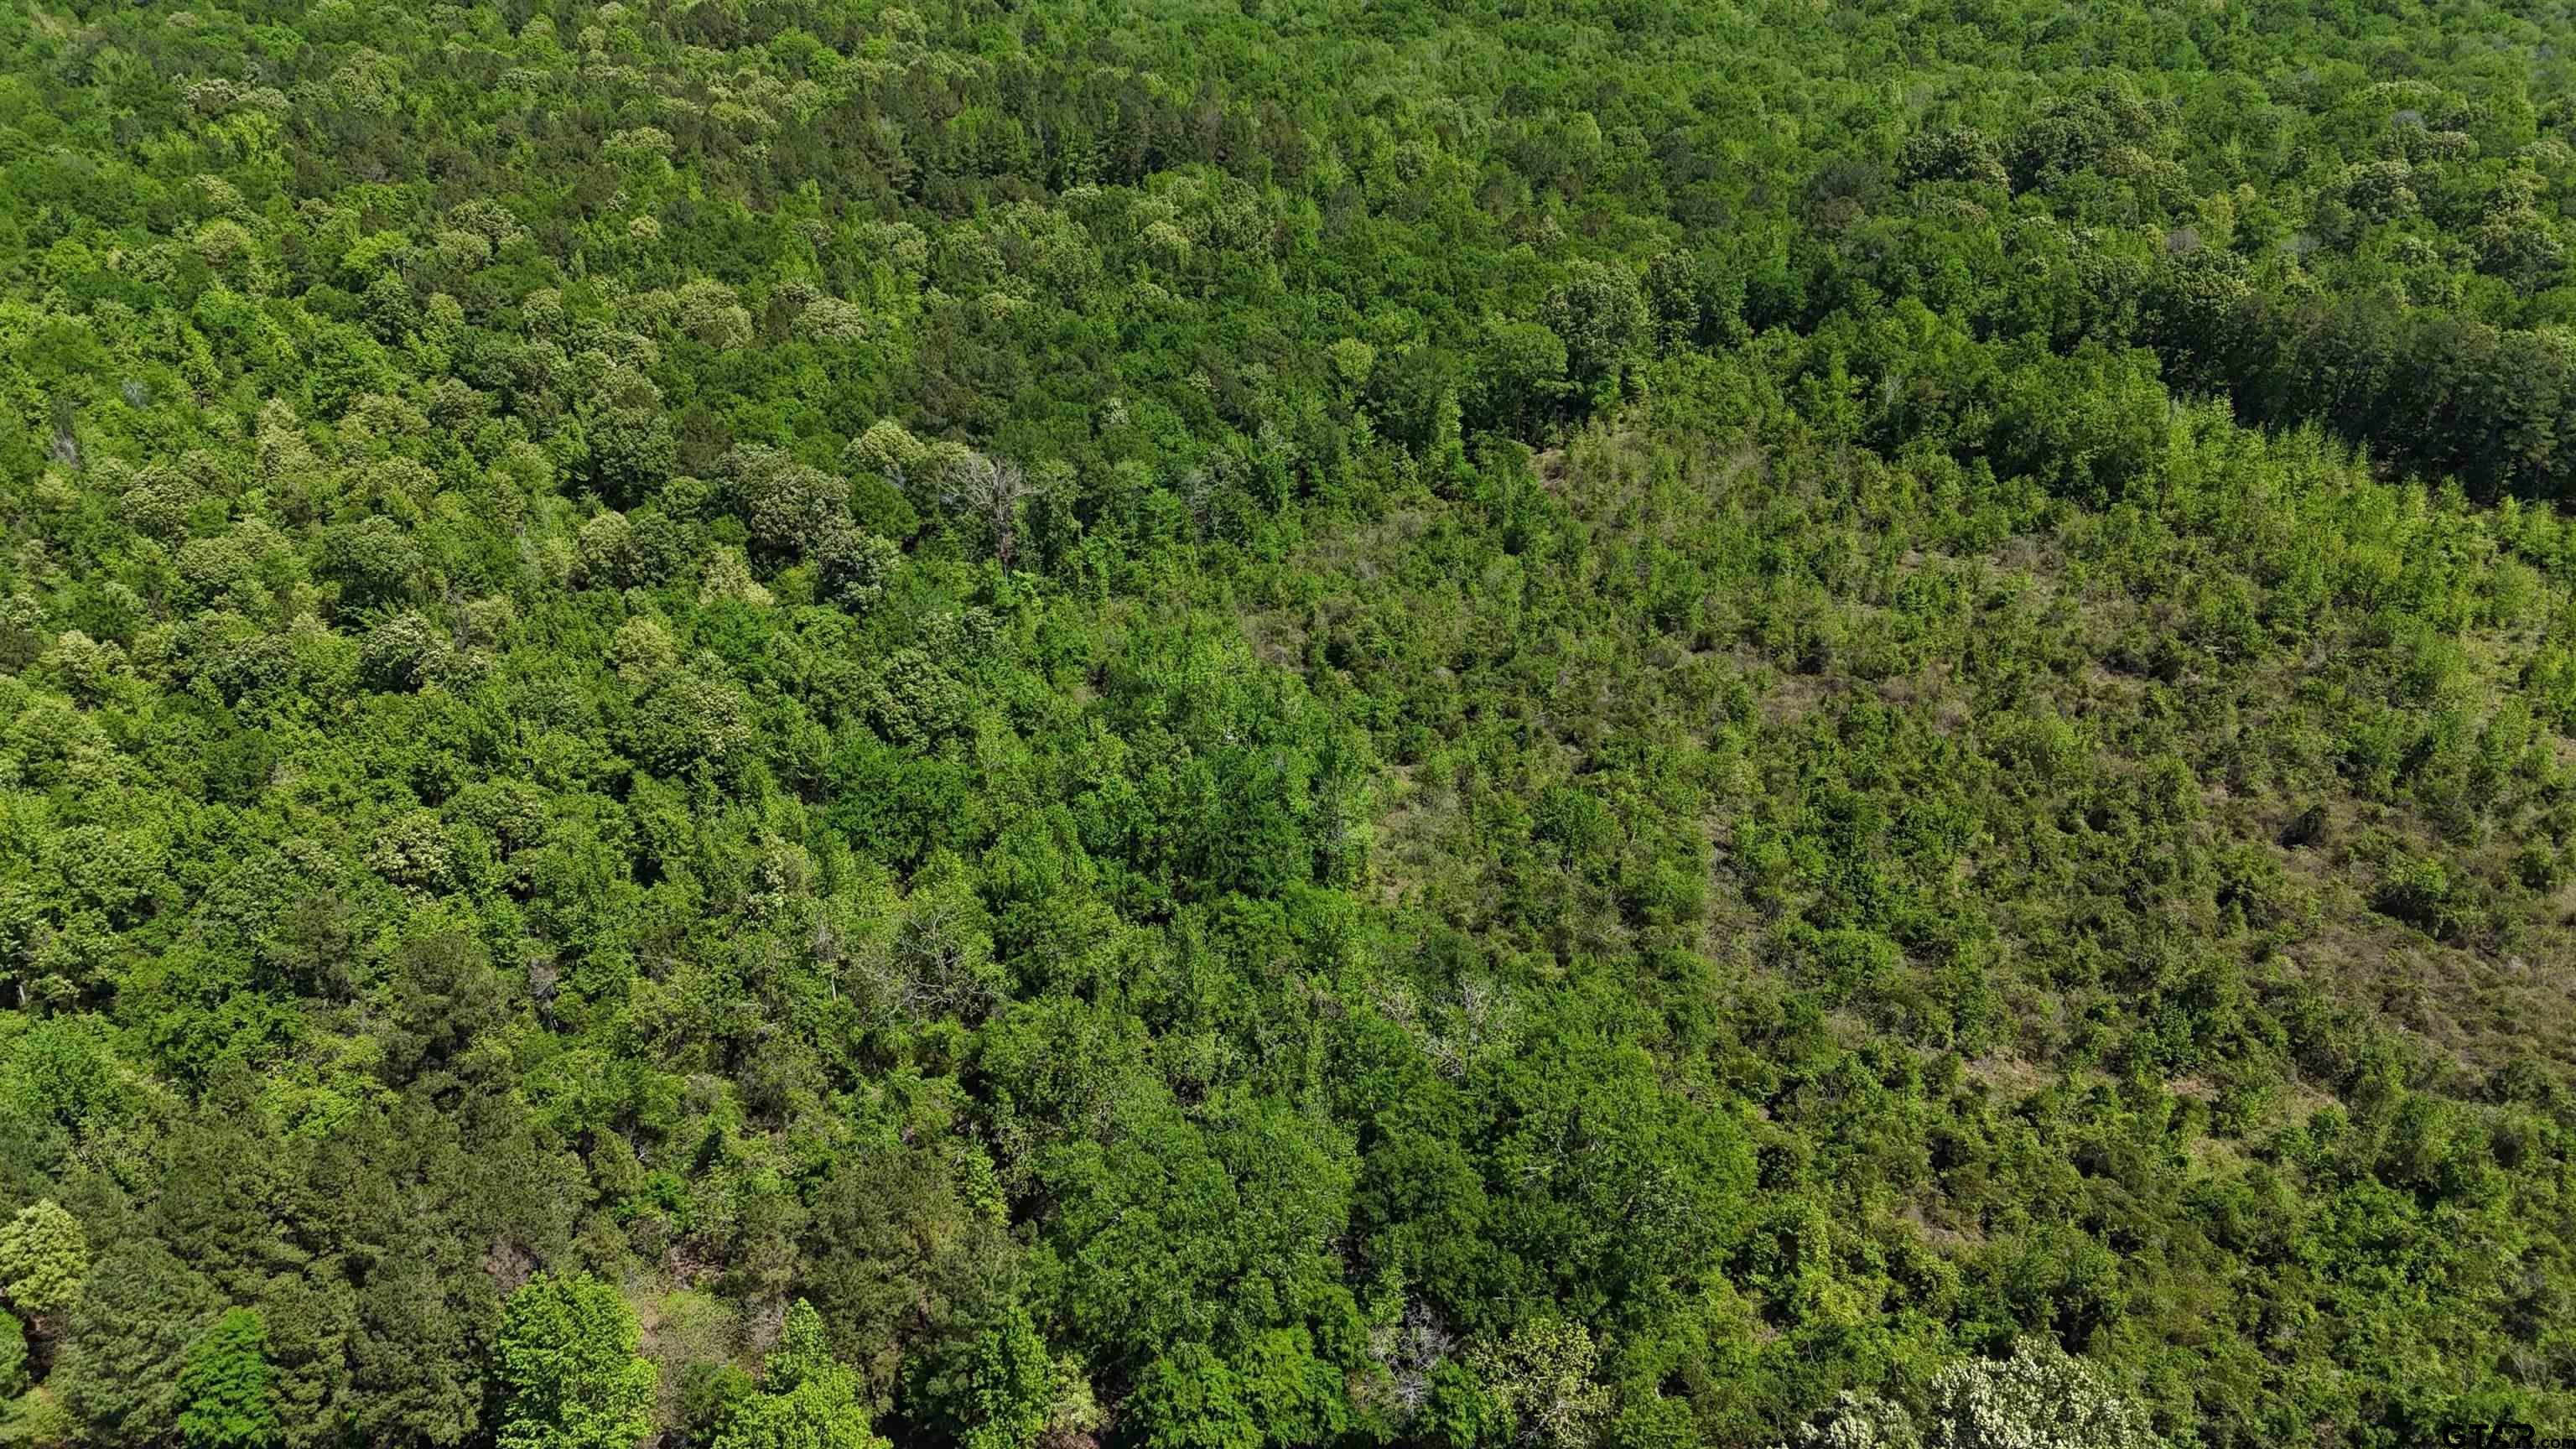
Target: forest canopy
[(779, 724)]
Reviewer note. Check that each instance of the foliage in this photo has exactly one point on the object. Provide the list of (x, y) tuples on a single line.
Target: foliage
[(1294, 723)]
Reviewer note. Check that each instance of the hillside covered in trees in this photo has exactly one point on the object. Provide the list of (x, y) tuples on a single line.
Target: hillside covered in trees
[(1287, 724)]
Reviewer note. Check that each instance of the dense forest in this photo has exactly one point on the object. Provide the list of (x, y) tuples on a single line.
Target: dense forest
[(1280, 724)]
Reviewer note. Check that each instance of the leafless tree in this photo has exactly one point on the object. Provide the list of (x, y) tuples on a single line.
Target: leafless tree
[(996, 489)]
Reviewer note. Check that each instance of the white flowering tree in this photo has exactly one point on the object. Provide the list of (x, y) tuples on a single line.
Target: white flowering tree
[(2040, 1398)]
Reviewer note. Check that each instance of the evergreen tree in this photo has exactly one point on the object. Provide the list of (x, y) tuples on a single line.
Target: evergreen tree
[(126, 1339), (13, 1354)]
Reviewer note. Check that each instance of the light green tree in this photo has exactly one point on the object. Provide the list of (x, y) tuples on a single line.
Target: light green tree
[(225, 1386), (43, 1258), (1013, 1385), (1543, 1375), (1191, 1399), (807, 1399), (568, 1358)]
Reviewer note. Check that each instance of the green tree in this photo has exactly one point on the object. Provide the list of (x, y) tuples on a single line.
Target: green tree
[(225, 1388), (126, 1338), (568, 1361), (630, 452), (1012, 1386), (1600, 313), (43, 1258), (806, 1399), (1189, 1398), (13, 1354)]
